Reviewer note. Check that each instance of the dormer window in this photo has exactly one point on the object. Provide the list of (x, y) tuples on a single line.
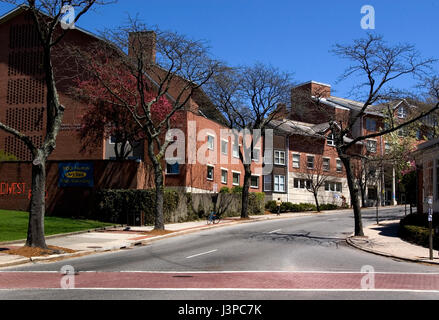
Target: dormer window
[(331, 140), (402, 113)]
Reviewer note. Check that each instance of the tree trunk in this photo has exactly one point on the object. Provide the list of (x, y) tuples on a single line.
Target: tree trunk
[(35, 233), (246, 191), (159, 223), (317, 201), (353, 191)]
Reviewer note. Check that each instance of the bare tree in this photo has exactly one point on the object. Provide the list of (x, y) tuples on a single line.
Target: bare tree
[(153, 83), (249, 97), (375, 65), (46, 15), (315, 178)]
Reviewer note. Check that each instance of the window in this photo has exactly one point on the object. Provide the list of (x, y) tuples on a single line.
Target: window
[(403, 132), (402, 113), (326, 164), (173, 168), (236, 178), (371, 124), (267, 183), (224, 176), (112, 140), (254, 182), (338, 187), (331, 140), (339, 166), (296, 161), (310, 162), (333, 186), (225, 147), (235, 151), (256, 154), (387, 147), (371, 146), (210, 172), (279, 183), (279, 158), (302, 184), (211, 142)]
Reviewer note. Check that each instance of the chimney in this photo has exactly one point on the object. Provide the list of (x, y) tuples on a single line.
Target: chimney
[(143, 42), (313, 88)]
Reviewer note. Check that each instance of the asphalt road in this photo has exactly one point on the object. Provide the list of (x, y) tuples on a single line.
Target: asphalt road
[(298, 258)]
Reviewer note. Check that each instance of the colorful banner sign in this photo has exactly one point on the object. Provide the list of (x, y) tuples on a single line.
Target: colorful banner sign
[(77, 174)]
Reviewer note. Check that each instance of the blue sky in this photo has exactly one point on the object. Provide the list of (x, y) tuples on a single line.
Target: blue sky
[(294, 36)]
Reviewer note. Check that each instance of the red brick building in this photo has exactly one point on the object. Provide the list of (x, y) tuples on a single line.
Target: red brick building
[(22, 101)]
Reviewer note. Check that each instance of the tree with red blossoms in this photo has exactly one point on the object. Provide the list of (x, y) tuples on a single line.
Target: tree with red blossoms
[(143, 80)]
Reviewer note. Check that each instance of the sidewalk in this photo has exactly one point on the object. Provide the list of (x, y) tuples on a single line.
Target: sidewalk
[(383, 240), (95, 241)]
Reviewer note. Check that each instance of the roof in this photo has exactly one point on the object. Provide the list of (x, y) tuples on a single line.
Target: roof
[(428, 144), (294, 127)]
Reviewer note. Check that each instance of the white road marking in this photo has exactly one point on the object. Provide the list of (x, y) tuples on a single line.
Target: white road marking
[(275, 231), (201, 254), (226, 289)]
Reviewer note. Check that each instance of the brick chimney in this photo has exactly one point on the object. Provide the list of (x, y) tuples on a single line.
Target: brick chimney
[(145, 42), (314, 88), (302, 108)]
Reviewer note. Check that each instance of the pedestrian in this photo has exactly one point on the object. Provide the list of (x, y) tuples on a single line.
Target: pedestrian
[(278, 204)]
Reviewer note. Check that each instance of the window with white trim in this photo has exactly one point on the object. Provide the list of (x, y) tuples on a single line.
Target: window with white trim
[(326, 164), (371, 146), (256, 154), (331, 140), (310, 162), (224, 176), (254, 182), (211, 142), (279, 183), (236, 178), (279, 158), (268, 183), (225, 147), (402, 113), (210, 172), (235, 151), (296, 161), (339, 165)]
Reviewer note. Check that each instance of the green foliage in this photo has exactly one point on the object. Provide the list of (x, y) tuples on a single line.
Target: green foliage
[(414, 229), (329, 206), (14, 225), (4, 157), (225, 190), (237, 190), (290, 207), (118, 206), (256, 203)]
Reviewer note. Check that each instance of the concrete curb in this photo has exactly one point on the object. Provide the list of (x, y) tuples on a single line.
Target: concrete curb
[(61, 235), (384, 254)]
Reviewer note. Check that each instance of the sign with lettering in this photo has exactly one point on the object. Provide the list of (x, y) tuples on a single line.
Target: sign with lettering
[(76, 174)]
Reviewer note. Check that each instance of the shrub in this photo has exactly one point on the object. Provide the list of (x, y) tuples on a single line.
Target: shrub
[(414, 229), (256, 203), (225, 190), (237, 190), (119, 206), (290, 207), (328, 206)]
